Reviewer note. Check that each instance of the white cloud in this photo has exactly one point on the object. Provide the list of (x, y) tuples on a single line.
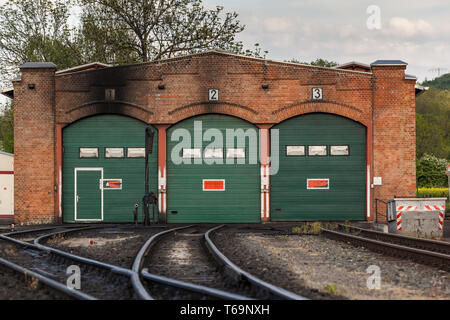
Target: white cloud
[(347, 31), (278, 24), (409, 28), (422, 41)]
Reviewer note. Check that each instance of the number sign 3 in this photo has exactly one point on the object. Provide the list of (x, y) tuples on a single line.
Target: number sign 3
[(317, 94), (213, 95)]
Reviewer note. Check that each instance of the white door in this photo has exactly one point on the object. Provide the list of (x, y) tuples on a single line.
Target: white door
[(88, 194)]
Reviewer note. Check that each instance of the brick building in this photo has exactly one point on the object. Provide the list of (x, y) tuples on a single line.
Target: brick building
[(346, 138)]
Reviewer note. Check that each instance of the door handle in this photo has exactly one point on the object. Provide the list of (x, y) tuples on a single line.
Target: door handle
[(78, 198)]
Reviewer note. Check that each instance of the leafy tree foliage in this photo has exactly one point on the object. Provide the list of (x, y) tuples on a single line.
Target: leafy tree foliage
[(433, 123), (433, 136), (324, 63), (35, 30), (431, 172), (7, 128), (112, 31), (125, 31), (442, 82), (319, 62)]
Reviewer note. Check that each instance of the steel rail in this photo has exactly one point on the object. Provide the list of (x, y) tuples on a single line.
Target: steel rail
[(18, 232), (46, 281), (13, 233), (431, 245), (195, 288), (186, 286), (134, 275), (19, 242), (7, 236), (241, 275), (139, 260), (39, 247), (88, 261), (436, 258)]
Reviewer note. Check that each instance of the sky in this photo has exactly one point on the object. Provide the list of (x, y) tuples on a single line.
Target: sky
[(415, 31)]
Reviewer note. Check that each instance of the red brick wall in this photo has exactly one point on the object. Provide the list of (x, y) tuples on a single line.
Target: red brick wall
[(383, 100), (394, 137), (34, 147), (187, 80)]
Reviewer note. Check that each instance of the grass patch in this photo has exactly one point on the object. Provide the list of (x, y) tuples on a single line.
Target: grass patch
[(308, 228), (331, 288), (313, 227)]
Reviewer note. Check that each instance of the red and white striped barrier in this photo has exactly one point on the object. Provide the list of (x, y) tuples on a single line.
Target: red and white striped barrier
[(434, 208), (400, 210), (441, 220), (440, 210)]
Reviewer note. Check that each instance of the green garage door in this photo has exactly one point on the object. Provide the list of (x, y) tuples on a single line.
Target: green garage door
[(107, 151), (206, 191), (322, 169)]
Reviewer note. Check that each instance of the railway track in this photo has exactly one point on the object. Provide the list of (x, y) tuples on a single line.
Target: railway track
[(49, 266), (30, 234), (183, 263), (429, 252), (212, 277)]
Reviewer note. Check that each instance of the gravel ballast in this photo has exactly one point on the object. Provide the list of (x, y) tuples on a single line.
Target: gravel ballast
[(320, 268), (14, 286), (117, 246)]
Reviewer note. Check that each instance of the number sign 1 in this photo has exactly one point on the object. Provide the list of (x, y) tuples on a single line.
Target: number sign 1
[(317, 94), (213, 95)]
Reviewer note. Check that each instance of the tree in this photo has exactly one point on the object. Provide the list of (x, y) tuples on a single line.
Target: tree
[(429, 137), (431, 171), (433, 123), (324, 63), (111, 31), (126, 31), (7, 128), (319, 62), (35, 30), (442, 82)]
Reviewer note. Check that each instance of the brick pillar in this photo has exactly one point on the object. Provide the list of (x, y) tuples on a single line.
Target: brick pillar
[(162, 171), (394, 132), (34, 145)]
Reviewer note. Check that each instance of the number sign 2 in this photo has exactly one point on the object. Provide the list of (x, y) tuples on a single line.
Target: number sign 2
[(317, 94), (213, 95)]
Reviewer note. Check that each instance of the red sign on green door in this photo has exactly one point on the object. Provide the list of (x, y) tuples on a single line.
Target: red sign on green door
[(213, 185), (318, 184), (112, 184)]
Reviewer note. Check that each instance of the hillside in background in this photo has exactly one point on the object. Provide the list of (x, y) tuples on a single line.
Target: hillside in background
[(442, 83), (433, 123)]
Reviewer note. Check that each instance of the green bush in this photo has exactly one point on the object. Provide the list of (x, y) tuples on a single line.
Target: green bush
[(431, 172)]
